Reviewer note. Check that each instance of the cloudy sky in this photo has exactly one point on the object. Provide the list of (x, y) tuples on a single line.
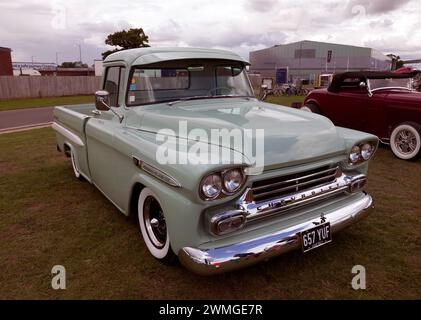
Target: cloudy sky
[(39, 30)]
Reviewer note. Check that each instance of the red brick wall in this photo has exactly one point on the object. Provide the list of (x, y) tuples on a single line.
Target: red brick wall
[(5, 63)]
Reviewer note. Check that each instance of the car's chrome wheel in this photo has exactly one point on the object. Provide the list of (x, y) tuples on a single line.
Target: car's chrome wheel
[(405, 141), (154, 226)]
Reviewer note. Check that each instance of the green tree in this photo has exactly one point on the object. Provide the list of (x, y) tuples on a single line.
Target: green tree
[(122, 40)]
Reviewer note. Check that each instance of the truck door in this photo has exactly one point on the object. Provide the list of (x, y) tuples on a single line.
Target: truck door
[(103, 151)]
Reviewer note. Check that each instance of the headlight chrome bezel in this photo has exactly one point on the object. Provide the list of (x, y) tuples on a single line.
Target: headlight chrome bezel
[(224, 192), (358, 149), (225, 178), (202, 184)]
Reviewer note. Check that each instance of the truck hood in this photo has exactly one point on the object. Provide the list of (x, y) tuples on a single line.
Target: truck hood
[(290, 135)]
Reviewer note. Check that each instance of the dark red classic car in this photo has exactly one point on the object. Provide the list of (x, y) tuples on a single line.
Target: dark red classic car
[(381, 103)]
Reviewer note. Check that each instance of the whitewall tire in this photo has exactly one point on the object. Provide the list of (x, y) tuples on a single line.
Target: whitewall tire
[(153, 226), (405, 141), (305, 108)]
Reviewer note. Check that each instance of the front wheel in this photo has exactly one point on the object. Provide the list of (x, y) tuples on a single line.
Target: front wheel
[(405, 141), (154, 227)]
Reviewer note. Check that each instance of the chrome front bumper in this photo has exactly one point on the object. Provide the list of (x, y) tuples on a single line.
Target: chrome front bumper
[(239, 255)]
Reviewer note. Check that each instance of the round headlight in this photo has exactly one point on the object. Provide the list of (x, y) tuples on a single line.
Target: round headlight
[(355, 154), (233, 180), (211, 186), (366, 151)]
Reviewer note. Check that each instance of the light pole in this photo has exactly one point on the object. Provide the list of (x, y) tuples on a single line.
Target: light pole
[(80, 52), (57, 53)]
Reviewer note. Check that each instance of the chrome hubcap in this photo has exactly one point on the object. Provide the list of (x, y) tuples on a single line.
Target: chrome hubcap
[(406, 141), (155, 224)]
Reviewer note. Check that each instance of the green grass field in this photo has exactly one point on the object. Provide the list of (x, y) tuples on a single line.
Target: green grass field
[(285, 100), (43, 102), (50, 218)]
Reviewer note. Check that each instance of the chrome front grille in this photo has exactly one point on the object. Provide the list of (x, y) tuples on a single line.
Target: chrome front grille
[(280, 186)]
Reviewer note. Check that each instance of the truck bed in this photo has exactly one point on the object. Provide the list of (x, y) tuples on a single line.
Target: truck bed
[(69, 124)]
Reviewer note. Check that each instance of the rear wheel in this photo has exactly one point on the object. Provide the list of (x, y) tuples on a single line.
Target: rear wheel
[(405, 141), (154, 227), (311, 107)]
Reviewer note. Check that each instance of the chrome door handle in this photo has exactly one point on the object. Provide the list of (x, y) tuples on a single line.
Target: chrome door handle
[(96, 112)]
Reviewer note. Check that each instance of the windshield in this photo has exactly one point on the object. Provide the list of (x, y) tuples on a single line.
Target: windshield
[(378, 84), (190, 81)]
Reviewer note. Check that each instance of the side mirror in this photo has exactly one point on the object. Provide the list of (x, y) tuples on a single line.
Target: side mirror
[(263, 92), (102, 100), (363, 84)]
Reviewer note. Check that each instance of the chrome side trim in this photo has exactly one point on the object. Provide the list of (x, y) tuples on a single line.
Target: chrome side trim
[(155, 172), (68, 134), (242, 254)]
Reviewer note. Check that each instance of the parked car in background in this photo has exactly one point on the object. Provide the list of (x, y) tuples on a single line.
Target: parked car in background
[(26, 72), (221, 215), (381, 103)]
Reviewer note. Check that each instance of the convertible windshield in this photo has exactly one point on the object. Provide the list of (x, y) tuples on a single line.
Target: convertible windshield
[(395, 83), (187, 82)]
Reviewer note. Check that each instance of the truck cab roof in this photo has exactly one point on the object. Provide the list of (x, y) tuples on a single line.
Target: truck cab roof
[(143, 56)]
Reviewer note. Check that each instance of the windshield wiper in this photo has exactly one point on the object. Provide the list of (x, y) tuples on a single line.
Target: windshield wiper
[(205, 97), (188, 98)]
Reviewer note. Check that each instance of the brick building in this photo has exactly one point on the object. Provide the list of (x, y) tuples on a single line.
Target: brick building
[(6, 62)]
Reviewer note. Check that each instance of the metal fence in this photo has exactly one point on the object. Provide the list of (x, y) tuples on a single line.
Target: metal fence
[(37, 86)]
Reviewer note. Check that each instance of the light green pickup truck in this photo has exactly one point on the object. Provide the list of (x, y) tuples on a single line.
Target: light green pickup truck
[(215, 176)]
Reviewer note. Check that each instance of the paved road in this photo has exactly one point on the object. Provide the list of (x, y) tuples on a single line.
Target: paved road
[(13, 119)]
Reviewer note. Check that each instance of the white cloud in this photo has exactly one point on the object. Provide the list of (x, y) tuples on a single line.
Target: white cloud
[(239, 25)]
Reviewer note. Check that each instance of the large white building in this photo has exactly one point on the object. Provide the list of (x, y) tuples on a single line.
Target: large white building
[(307, 59)]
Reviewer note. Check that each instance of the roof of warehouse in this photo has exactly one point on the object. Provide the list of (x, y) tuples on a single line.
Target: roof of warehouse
[(324, 43)]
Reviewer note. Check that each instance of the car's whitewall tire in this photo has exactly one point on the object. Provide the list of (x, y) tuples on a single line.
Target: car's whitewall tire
[(305, 108), (153, 226), (405, 141)]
